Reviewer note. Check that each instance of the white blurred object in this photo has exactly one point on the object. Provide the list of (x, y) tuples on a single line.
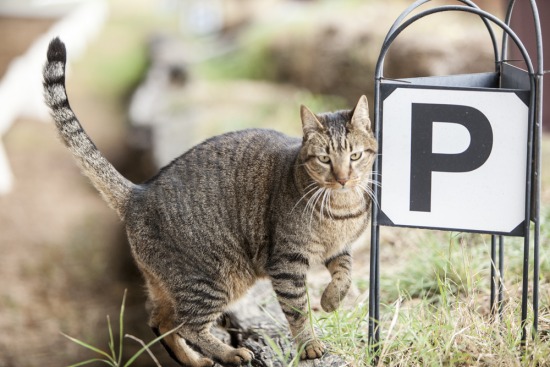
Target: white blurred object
[(203, 17), (21, 86)]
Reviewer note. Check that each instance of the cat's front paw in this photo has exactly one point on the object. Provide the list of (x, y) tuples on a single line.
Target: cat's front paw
[(313, 349), (238, 356), (333, 294), (329, 303)]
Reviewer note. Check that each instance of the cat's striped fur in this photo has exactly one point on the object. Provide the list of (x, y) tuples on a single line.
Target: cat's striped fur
[(238, 207)]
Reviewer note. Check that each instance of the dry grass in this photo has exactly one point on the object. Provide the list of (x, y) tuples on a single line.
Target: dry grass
[(435, 310)]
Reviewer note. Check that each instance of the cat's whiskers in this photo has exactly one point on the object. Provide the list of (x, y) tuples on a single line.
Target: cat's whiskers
[(322, 208), (308, 190), (329, 205), (312, 183), (325, 203), (374, 182), (360, 194), (368, 181), (312, 202), (321, 198), (368, 190)]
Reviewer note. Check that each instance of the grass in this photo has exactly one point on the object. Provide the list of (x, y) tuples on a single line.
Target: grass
[(417, 333), (114, 355), (435, 311)]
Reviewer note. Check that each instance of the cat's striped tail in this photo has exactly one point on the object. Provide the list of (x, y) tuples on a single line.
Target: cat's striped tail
[(114, 188)]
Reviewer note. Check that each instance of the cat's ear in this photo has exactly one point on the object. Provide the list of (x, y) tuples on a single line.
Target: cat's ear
[(360, 118), (310, 122)]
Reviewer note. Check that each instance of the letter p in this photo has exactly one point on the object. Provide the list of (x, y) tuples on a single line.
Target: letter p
[(424, 161)]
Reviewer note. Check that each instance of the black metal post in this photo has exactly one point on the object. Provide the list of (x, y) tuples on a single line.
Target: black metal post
[(497, 278), (500, 275), (493, 273), (373, 296), (536, 197)]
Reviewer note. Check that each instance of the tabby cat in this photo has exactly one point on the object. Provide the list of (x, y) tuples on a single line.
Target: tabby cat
[(238, 207)]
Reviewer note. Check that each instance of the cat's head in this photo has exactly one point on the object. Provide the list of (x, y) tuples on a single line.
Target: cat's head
[(339, 148)]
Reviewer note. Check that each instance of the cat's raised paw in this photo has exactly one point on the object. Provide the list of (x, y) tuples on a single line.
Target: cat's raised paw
[(239, 356), (330, 300), (329, 304), (314, 349)]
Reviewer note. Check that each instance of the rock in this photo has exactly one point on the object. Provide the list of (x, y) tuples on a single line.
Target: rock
[(257, 323)]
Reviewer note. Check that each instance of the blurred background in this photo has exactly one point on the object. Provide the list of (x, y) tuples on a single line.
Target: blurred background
[(149, 79)]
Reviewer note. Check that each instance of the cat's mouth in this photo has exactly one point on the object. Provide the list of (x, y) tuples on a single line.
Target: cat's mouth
[(340, 186)]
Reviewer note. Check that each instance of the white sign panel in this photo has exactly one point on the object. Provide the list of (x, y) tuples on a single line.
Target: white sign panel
[(454, 159)]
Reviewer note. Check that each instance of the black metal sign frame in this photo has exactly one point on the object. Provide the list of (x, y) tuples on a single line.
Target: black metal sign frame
[(506, 77)]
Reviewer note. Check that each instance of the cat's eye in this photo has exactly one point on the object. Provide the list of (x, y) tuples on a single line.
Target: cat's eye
[(324, 158), (356, 156)]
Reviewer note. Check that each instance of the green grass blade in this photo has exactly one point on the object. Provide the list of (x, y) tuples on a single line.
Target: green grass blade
[(310, 313), (121, 327), (277, 349), (111, 339), (83, 363), (90, 347), (146, 347)]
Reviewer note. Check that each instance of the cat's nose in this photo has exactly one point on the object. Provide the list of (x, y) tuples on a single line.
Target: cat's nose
[(342, 181)]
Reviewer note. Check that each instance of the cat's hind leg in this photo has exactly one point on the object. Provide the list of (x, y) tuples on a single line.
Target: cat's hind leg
[(161, 321), (200, 306), (209, 345), (178, 349), (193, 333)]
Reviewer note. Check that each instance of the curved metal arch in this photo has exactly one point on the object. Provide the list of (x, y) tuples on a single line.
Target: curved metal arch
[(393, 35), (469, 3)]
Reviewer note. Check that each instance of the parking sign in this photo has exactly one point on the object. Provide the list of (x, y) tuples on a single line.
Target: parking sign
[(454, 159)]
